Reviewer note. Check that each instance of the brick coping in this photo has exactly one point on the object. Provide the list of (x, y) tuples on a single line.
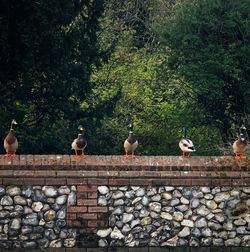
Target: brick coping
[(139, 163)]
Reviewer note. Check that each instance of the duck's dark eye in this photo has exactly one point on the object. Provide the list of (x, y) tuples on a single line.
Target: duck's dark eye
[(185, 145)]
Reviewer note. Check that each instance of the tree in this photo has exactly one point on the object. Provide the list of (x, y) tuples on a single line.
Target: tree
[(209, 46), (48, 49)]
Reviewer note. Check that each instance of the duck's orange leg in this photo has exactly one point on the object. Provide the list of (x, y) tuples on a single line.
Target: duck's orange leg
[(243, 156), (76, 156), (126, 154), (7, 154), (189, 154), (183, 154), (83, 155), (133, 154), (13, 155), (236, 156)]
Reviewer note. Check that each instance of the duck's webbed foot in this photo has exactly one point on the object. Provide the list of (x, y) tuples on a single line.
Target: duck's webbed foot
[(7, 154), (243, 156), (236, 156)]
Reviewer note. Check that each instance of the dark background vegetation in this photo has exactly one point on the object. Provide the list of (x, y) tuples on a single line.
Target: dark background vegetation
[(161, 64)]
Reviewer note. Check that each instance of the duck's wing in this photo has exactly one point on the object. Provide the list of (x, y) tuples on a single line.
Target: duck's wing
[(186, 145)]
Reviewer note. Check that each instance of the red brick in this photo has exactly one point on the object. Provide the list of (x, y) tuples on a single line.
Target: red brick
[(92, 195), (151, 174), (160, 181), (87, 202), (82, 195), (116, 182), (15, 181), (237, 182), (6, 173), (96, 223), (87, 216), (129, 174), (86, 188), (221, 182), (56, 181), (76, 181), (140, 182), (202, 182), (77, 209), (97, 209), (71, 216), (97, 181), (74, 223)]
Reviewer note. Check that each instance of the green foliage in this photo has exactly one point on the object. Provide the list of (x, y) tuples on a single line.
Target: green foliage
[(209, 46)]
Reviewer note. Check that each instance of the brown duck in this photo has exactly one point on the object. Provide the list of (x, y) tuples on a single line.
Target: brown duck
[(10, 142), (130, 143), (240, 145), (79, 143)]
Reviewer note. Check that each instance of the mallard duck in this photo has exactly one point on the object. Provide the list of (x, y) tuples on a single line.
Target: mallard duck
[(130, 143), (10, 141), (79, 143), (185, 144), (240, 145)]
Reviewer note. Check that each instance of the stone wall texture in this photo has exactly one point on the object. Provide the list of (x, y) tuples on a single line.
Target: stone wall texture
[(111, 203)]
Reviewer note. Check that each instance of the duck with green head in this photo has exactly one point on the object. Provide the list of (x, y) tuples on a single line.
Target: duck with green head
[(79, 143), (240, 145), (10, 141), (130, 143), (185, 144)]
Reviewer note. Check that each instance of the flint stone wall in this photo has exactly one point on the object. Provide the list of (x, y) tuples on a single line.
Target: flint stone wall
[(110, 201)]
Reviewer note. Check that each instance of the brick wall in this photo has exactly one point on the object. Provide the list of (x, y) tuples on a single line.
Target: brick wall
[(87, 174)]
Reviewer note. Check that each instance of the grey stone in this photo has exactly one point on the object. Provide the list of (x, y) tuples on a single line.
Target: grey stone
[(50, 224), (15, 224), (127, 217), (4, 214), (119, 202), (182, 208), (206, 241), (145, 200), (195, 203), (6, 201), (207, 232), (37, 206), (103, 189), (61, 199), (56, 243), (63, 190), (50, 191), (2, 191), (103, 243), (233, 242), (196, 232), (60, 223), (222, 196), (140, 192), (71, 201), (169, 188), (27, 191), (155, 206), (214, 225), (203, 211), (174, 202), (187, 223), (116, 234), (117, 195), (201, 223), (13, 191), (29, 244), (194, 242), (102, 201), (184, 232), (104, 232), (50, 234), (38, 195), (220, 217), (130, 194), (43, 243), (156, 197), (27, 210), (30, 219), (135, 223)]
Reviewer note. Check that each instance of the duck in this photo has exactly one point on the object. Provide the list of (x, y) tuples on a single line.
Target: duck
[(10, 141), (79, 143), (185, 144), (130, 143), (240, 144)]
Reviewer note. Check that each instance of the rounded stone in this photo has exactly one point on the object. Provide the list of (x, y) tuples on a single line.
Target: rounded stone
[(30, 219), (203, 211), (211, 204), (61, 199), (145, 200), (102, 243), (155, 206), (56, 243), (71, 199), (2, 191), (130, 194), (167, 196), (156, 197), (146, 221), (63, 190), (184, 201), (116, 234), (187, 223), (43, 243), (60, 223), (102, 201), (50, 215), (37, 206), (119, 202), (103, 189), (15, 224), (27, 191), (184, 232), (178, 216), (104, 232), (195, 203), (127, 217), (222, 196), (13, 191), (207, 232), (169, 188), (6, 201), (202, 222), (140, 192)]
